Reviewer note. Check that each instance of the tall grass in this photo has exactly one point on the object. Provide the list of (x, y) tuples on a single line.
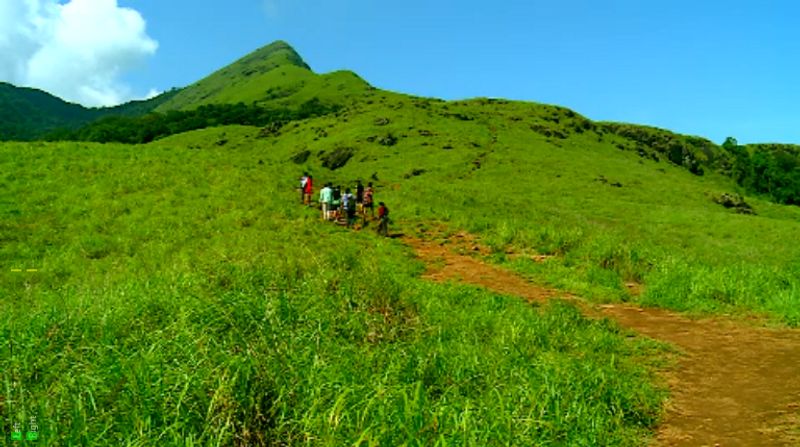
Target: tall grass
[(183, 298)]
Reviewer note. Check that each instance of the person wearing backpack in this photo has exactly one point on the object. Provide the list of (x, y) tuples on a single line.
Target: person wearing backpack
[(383, 217), (336, 202), (359, 197), (368, 202), (349, 205)]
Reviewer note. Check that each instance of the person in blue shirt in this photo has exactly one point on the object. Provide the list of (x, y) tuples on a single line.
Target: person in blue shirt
[(349, 206)]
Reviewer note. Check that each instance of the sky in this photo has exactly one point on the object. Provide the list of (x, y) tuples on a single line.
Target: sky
[(709, 68)]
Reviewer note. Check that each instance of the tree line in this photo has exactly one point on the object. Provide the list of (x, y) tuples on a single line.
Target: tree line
[(155, 125), (769, 169)]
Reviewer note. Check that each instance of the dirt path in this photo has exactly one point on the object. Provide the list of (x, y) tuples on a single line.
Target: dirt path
[(733, 385)]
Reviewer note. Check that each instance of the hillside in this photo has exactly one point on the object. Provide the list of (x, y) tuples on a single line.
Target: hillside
[(274, 84), (273, 76), (27, 113), (531, 179), (30, 114), (177, 293)]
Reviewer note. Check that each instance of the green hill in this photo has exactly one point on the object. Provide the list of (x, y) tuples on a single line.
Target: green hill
[(536, 179), (268, 87), (183, 296), (29, 114), (273, 76)]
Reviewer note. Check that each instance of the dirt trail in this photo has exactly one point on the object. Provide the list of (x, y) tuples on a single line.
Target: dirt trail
[(733, 385)]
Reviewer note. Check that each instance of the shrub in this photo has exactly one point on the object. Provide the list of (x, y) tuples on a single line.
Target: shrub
[(337, 158), (301, 157)]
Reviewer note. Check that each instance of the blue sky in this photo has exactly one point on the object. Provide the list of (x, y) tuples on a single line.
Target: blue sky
[(709, 68)]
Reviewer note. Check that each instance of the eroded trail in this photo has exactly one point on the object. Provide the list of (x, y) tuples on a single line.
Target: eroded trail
[(733, 385)]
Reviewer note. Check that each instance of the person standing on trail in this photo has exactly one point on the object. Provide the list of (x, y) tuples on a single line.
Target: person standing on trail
[(308, 191), (336, 202), (359, 197), (325, 199), (383, 216), (368, 203), (349, 205), (303, 181)]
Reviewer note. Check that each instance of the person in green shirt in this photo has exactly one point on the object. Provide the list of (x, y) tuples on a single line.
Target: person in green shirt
[(336, 202), (325, 199)]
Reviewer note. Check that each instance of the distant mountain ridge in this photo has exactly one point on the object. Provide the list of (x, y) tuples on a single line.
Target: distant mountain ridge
[(274, 76), (29, 113)]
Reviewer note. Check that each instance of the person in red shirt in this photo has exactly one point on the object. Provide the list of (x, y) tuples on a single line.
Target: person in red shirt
[(308, 190), (303, 181), (383, 218)]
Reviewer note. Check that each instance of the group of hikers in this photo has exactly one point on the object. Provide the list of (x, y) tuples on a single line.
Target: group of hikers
[(343, 206)]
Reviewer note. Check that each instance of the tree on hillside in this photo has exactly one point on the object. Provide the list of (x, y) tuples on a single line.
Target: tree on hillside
[(741, 164), (730, 144)]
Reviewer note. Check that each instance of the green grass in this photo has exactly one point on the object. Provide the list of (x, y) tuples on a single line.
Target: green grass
[(184, 298)]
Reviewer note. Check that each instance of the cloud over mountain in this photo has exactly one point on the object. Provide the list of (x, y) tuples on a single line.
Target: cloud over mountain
[(76, 49)]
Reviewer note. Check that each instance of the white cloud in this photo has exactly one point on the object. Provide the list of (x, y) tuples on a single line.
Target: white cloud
[(76, 50), (151, 94)]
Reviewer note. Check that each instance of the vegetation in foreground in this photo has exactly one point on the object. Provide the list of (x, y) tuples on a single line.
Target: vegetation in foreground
[(184, 298)]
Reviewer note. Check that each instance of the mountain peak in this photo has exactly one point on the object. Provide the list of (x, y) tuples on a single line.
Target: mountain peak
[(272, 75), (274, 55)]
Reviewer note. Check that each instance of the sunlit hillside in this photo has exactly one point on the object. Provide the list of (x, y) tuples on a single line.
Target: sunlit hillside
[(177, 292)]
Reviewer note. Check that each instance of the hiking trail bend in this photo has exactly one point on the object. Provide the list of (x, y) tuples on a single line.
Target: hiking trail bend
[(732, 385)]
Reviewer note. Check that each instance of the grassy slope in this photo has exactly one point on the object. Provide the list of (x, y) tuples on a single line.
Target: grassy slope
[(535, 194), (184, 298), (271, 76)]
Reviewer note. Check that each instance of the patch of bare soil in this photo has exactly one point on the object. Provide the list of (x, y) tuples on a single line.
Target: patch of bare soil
[(733, 384)]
